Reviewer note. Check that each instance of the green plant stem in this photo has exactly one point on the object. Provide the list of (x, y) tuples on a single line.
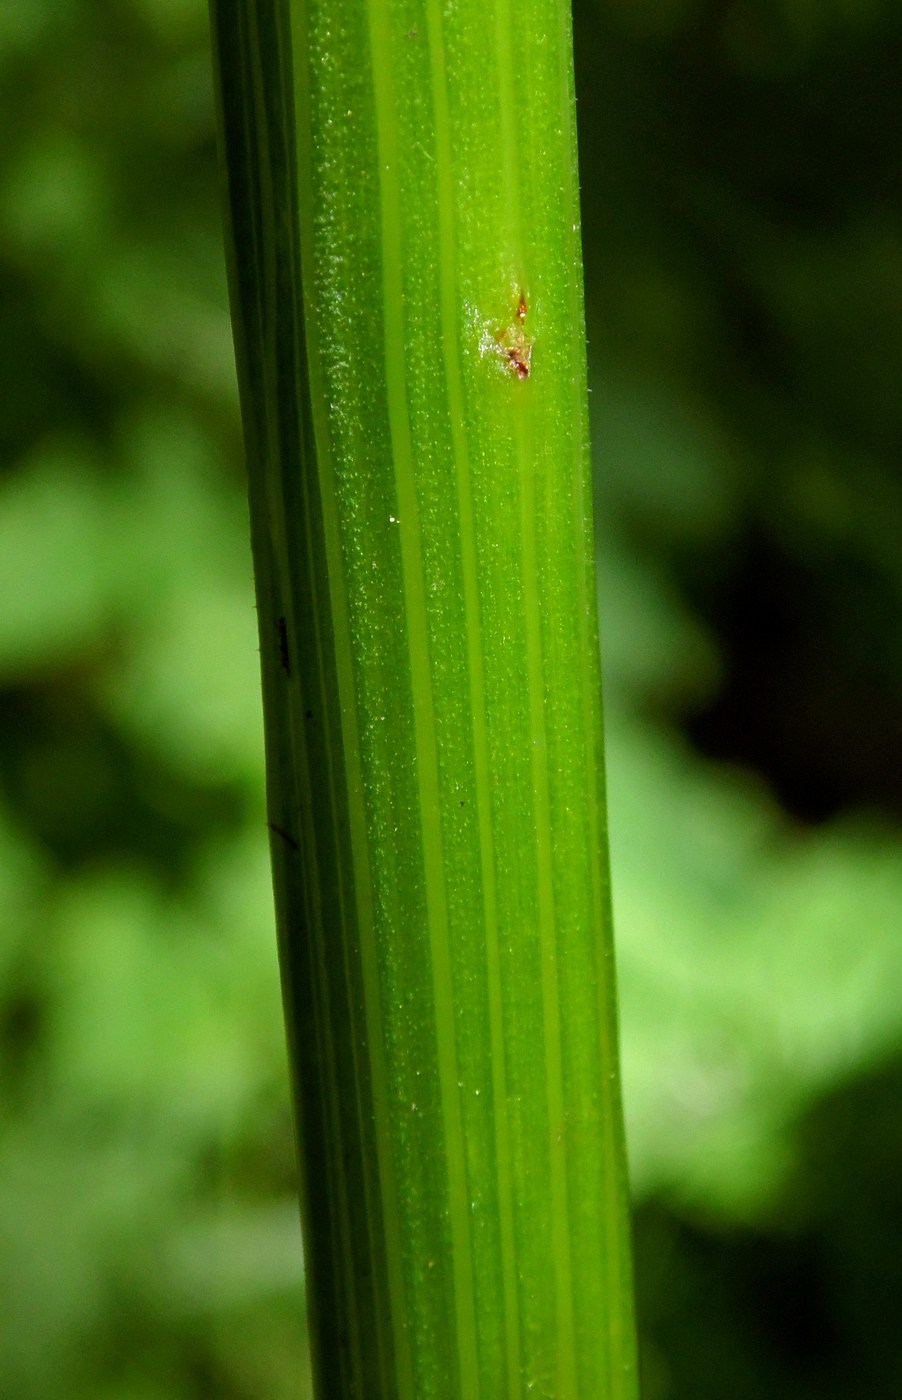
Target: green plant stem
[(407, 300)]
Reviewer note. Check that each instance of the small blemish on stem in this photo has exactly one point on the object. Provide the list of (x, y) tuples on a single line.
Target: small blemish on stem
[(280, 831), (513, 343)]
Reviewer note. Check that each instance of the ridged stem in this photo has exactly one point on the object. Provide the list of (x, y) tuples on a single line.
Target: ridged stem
[(406, 287)]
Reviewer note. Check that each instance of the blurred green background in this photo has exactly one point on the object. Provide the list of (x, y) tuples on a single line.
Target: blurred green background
[(743, 230)]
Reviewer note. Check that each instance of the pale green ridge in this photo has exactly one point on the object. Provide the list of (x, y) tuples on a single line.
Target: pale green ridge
[(426, 741), (450, 301), (511, 94), (557, 1113)]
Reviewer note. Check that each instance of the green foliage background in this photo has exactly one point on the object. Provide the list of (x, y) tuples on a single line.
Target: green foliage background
[(744, 261)]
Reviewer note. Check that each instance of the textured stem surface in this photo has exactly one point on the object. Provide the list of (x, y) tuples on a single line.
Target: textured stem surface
[(407, 298)]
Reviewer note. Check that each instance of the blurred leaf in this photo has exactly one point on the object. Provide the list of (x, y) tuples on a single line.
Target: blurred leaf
[(756, 968), (55, 564), (57, 199)]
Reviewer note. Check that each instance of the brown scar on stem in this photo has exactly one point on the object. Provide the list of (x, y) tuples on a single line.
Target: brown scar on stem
[(513, 342)]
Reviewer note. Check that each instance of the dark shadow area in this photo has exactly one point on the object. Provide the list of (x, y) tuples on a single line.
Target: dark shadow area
[(811, 695), (805, 1305), (86, 791), (744, 259)]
